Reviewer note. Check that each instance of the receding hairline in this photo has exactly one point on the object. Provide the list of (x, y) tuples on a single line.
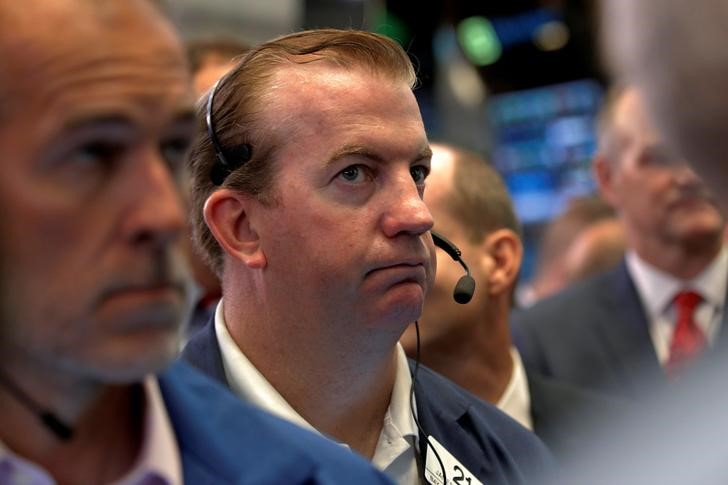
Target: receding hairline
[(19, 30)]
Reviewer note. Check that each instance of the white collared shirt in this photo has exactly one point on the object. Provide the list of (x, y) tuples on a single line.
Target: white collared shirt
[(396, 449), (158, 461), (657, 290), (516, 399)]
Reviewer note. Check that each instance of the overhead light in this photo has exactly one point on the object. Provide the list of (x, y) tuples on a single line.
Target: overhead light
[(479, 41), (551, 36)]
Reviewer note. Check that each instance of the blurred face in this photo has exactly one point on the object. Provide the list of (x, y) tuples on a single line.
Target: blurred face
[(659, 198), (443, 319), (90, 209), (661, 47), (348, 239)]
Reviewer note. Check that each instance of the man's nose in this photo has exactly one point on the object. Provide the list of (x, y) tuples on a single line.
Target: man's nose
[(156, 217), (407, 212)]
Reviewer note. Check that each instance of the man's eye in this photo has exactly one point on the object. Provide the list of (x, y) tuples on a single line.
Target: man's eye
[(353, 173), (174, 151), (419, 173), (97, 152)]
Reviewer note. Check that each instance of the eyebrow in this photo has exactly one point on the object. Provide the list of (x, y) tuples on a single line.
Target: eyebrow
[(362, 151), (185, 115)]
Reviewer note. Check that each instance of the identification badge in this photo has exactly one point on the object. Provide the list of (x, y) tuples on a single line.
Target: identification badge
[(456, 473)]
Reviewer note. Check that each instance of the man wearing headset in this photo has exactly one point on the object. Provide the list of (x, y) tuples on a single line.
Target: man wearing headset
[(471, 344), (94, 126), (308, 184)]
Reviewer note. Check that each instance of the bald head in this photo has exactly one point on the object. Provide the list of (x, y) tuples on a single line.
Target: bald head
[(30, 40)]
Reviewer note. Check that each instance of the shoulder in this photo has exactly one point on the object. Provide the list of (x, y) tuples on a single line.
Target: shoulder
[(582, 298), (220, 435)]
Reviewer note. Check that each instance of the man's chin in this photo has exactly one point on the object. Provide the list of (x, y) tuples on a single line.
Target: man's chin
[(399, 308), (131, 359)]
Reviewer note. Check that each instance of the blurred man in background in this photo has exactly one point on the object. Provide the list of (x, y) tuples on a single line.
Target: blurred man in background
[(674, 53), (209, 60), (212, 58), (662, 307), (471, 344), (587, 238)]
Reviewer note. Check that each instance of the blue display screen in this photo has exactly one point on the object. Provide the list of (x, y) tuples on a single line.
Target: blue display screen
[(544, 139)]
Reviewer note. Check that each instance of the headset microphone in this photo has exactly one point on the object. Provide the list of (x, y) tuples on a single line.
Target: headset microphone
[(465, 287)]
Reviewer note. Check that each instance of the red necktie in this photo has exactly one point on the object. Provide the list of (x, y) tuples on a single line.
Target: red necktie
[(687, 338)]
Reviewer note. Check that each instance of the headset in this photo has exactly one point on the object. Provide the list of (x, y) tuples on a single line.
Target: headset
[(465, 287), (463, 293), (223, 165)]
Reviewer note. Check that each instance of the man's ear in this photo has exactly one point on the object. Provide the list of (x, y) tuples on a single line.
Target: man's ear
[(603, 172), (505, 251), (226, 213)]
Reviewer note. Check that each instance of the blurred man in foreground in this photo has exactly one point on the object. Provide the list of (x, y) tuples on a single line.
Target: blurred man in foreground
[(94, 127)]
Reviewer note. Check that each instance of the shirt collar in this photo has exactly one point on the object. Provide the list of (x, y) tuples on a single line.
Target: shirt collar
[(657, 288), (247, 382), (159, 455), (516, 399)]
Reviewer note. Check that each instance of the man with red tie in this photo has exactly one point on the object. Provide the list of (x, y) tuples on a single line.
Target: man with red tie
[(662, 306)]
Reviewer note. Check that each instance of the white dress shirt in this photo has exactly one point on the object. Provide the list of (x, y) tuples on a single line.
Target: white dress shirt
[(657, 291), (516, 399), (158, 462), (396, 449)]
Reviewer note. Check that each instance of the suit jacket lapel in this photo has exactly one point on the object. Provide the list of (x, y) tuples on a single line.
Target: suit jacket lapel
[(203, 352), (625, 331), (443, 422), (206, 423)]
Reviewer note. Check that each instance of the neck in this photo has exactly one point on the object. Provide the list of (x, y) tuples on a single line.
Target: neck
[(107, 422), (479, 361), (336, 375), (684, 261)]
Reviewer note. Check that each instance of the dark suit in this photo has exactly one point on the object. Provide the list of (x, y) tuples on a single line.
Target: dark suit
[(593, 335), (564, 416), (224, 441), (487, 442)]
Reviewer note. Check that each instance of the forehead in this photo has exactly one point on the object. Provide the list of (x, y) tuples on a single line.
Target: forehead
[(106, 57), (631, 119), (316, 101), (440, 181)]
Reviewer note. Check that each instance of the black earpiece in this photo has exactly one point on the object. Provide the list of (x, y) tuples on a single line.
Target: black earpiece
[(465, 287), (224, 165)]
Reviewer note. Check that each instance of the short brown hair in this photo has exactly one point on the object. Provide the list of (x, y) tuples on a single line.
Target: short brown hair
[(245, 91), (479, 200)]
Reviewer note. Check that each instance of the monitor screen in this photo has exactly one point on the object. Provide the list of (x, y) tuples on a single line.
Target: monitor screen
[(543, 141)]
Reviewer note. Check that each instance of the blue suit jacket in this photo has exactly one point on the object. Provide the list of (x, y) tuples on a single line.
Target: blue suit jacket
[(593, 335), (496, 449), (225, 441)]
